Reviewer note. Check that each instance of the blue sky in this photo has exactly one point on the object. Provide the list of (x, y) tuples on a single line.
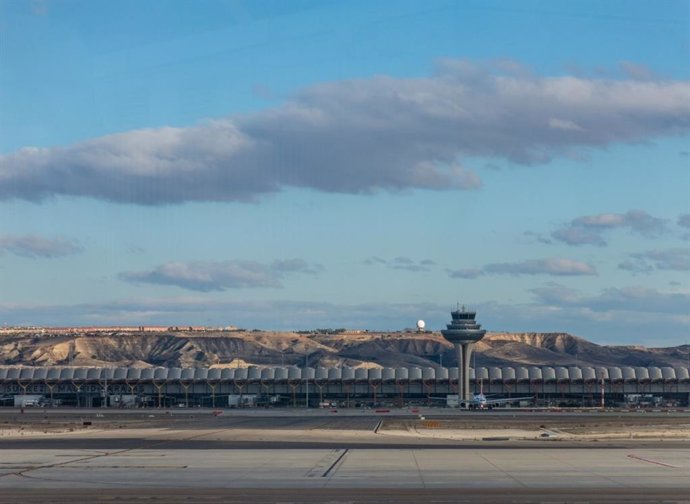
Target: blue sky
[(291, 165)]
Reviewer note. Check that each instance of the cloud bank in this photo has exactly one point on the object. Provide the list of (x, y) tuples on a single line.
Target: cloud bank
[(359, 136), (34, 246), (268, 314), (628, 299), (621, 315), (219, 276), (625, 315)]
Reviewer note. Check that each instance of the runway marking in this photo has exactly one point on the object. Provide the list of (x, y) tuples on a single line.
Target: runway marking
[(89, 467), (504, 472), (378, 426), (652, 461), (325, 474), (26, 469), (30, 468), (23, 473), (325, 464), (419, 469)]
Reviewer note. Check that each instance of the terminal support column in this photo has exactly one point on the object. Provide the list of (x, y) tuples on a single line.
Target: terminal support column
[(464, 354), (467, 354), (461, 373)]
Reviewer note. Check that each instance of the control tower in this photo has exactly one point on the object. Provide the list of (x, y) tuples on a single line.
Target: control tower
[(463, 332)]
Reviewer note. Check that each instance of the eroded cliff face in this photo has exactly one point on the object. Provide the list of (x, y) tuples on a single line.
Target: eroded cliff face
[(558, 342), (243, 348)]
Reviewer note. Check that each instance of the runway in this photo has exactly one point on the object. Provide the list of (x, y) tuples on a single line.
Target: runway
[(281, 457), (498, 472)]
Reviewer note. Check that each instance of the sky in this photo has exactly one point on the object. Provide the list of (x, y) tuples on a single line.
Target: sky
[(361, 164)]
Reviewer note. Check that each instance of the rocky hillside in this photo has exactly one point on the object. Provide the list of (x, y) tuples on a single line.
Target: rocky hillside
[(241, 348)]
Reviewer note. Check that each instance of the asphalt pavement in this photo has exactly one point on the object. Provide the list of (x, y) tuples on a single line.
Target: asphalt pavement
[(323, 456)]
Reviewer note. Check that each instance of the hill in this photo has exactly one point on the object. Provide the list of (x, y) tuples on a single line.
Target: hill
[(357, 349)]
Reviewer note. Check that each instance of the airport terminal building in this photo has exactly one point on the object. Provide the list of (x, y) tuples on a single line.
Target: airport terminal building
[(342, 387)]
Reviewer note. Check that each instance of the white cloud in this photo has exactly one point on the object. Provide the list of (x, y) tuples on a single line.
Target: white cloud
[(551, 266), (576, 235), (677, 259), (564, 125), (402, 263), (589, 229), (684, 220), (219, 276), (637, 71), (35, 246), (636, 265), (359, 136), (466, 273), (554, 266)]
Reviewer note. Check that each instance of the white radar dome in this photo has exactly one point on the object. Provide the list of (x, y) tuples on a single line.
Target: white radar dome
[(421, 324)]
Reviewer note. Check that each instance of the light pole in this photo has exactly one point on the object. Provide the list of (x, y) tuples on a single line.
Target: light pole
[(105, 391), (306, 374)]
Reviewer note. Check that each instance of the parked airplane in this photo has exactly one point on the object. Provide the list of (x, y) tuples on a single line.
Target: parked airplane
[(480, 401)]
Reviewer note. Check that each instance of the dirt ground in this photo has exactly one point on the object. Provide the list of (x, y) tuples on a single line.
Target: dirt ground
[(438, 424)]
